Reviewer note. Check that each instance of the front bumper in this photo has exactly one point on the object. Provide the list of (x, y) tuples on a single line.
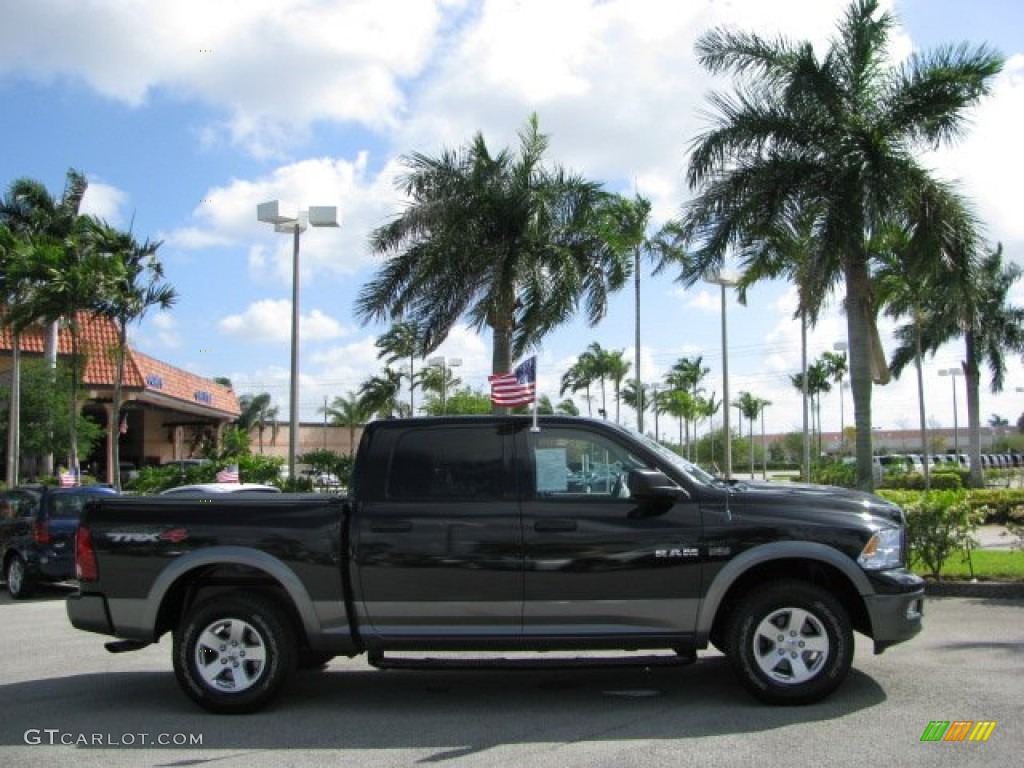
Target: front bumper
[(896, 612)]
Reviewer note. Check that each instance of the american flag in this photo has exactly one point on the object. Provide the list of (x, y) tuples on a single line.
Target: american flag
[(67, 479), (228, 475), (516, 388)]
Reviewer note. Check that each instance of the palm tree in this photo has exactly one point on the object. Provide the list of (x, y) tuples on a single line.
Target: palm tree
[(977, 310), (501, 239), (617, 368), (379, 394), (751, 407), (34, 214), (580, 376), (256, 413), (834, 135), (401, 341), (12, 285), (135, 288), (350, 412), (632, 221), (35, 217), (67, 278), (818, 383), (439, 379), (687, 375)]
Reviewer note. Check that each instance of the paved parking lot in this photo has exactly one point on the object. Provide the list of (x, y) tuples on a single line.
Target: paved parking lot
[(58, 684)]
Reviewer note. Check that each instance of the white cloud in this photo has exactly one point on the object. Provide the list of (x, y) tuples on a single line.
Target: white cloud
[(104, 201), (274, 66), (270, 320), (227, 216), (989, 172)]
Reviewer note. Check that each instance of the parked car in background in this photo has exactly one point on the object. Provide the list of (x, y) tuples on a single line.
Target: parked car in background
[(37, 533), (205, 489)]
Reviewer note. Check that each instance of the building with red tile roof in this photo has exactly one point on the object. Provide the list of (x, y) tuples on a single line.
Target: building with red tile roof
[(166, 411)]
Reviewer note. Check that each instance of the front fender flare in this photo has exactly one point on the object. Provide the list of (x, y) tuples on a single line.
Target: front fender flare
[(765, 553)]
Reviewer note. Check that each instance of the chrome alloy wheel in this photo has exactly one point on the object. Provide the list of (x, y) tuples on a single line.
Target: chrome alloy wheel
[(230, 655), (790, 645)]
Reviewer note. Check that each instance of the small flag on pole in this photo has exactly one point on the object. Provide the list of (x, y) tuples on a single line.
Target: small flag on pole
[(123, 426), (67, 479), (229, 474), (516, 388)]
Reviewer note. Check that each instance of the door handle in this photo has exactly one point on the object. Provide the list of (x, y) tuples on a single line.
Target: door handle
[(391, 526), (555, 526)]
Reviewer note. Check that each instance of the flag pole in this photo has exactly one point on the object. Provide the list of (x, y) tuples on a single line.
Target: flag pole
[(535, 428)]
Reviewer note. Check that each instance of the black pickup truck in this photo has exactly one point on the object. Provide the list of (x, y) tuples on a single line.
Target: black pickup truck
[(485, 534)]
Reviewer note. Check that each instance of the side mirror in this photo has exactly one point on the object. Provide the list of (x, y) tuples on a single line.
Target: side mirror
[(653, 485)]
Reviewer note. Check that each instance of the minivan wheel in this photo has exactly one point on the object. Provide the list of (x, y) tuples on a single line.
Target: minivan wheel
[(790, 643), (233, 653), (19, 583)]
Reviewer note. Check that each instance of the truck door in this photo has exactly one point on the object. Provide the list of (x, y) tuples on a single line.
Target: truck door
[(439, 543), (597, 561)]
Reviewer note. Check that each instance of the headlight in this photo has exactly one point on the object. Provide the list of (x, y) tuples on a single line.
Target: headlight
[(883, 550)]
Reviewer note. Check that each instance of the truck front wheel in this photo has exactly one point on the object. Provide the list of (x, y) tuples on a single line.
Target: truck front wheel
[(233, 653), (790, 642)]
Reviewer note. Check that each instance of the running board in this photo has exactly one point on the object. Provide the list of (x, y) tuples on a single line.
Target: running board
[(503, 663)]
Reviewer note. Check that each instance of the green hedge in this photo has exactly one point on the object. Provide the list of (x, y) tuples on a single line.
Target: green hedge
[(997, 505)]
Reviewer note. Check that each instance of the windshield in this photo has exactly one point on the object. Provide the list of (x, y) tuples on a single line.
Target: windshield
[(688, 468)]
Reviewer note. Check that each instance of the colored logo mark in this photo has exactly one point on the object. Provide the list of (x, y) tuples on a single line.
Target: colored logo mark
[(958, 730)]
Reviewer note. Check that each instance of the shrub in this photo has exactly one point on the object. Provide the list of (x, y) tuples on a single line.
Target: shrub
[(938, 524), (915, 481), (843, 475)]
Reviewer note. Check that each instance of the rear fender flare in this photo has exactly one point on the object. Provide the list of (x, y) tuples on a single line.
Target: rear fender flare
[(252, 558)]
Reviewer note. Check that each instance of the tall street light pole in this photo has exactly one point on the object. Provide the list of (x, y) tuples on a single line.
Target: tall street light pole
[(953, 373), (287, 222), (725, 280)]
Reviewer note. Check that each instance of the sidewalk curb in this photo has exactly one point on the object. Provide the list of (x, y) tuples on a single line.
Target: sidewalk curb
[(1001, 590)]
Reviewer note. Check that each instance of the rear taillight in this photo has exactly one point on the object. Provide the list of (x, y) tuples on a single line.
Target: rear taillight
[(41, 531), (85, 556)]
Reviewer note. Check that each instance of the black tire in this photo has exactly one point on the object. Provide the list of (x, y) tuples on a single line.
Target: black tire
[(233, 653), (790, 642), (313, 660), (20, 583)]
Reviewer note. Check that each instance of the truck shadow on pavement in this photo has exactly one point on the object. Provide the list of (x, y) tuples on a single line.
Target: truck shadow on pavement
[(449, 714)]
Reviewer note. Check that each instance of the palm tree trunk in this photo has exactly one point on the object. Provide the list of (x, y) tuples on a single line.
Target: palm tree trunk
[(925, 457), (859, 321), (639, 386), (501, 357), (50, 356), (972, 377), (14, 413), (115, 437), (73, 426)]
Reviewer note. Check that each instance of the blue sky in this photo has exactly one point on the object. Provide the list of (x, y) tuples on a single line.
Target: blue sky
[(185, 115)]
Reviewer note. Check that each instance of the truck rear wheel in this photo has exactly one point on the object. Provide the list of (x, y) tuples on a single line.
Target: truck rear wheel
[(790, 642), (233, 653)]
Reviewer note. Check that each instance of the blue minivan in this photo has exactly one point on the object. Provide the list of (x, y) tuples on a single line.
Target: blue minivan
[(37, 534)]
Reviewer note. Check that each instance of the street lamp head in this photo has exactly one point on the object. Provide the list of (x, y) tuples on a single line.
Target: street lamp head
[(840, 346), (723, 277), (323, 216), (273, 212), (951, 372)]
